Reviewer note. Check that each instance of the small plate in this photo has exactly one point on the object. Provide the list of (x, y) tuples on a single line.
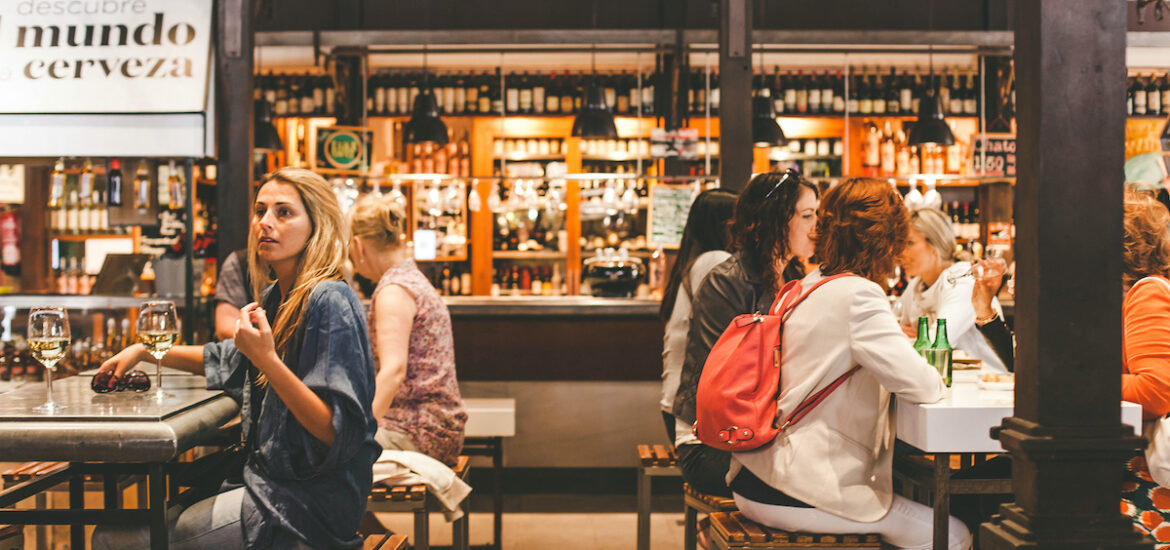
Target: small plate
[(996, 386)]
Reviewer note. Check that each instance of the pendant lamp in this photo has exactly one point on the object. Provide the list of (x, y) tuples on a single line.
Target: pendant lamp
[(425, 125), (264, 134), (594, 121), (766, 131), (931, 126)]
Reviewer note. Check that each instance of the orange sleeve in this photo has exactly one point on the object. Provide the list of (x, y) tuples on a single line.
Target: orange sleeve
[(1146, 379)]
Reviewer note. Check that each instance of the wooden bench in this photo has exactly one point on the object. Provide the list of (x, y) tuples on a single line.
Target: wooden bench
[(695, 503), (732, 531), (653, 461), (385, 541), (418, 500), (31, 470), (11, 537)]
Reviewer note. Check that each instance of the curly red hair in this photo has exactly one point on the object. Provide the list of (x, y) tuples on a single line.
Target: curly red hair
[(862, 226), (1147, 238)]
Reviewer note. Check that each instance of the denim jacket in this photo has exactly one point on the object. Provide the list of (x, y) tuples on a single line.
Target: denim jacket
[(298, 489)]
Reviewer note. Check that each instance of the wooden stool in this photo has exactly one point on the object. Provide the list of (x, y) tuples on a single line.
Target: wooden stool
[(653, 461), (111, 489), (11, 537), (732, 531), (416, 499), (695, 502), (385, 541)]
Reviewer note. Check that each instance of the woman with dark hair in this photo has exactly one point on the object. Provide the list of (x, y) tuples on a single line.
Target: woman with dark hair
[(770, 236), (832, 472), (703, 246)]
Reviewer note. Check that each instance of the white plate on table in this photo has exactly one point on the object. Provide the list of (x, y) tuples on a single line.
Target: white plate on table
[(996, 385)]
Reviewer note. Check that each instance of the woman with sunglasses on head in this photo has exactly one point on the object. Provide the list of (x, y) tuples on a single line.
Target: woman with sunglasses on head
[(301, 369), (832, 472), (770, 238)]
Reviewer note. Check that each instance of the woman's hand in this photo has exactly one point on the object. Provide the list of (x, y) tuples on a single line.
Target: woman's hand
[(910, 330), (125, 360), (254, 336), (985, 290)]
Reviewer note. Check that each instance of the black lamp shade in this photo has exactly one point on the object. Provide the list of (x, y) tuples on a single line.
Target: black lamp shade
[(765, 131), (264, 134), (594, 121), (931, 127), (424, 124)]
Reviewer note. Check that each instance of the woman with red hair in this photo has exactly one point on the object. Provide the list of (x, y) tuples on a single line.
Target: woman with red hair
[(832, 472)]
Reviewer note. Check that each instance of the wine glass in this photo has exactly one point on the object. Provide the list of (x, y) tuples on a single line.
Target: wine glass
[(158, 329), (48, 338)]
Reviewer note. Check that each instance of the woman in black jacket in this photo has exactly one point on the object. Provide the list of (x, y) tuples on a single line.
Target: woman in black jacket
[(771, 238)]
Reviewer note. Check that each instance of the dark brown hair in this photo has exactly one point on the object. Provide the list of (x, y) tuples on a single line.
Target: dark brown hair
[(1147, 238), (759, 229), (862, 227), (706, 230)]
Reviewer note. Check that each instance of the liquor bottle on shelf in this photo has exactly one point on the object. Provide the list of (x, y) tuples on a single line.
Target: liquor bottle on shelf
[(878, 94), (888, 151), (1164, 91), (871, 159), (970, 96), (893, 94), (142, 188), (114, 183), (175, 188), (1139, 96), (1153, 96), (57, 196)]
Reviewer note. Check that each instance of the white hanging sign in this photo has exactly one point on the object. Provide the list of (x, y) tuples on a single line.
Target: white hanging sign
[(104, 56)]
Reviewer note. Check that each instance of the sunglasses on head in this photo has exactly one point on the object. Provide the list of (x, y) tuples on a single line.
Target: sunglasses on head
[(789, 174)]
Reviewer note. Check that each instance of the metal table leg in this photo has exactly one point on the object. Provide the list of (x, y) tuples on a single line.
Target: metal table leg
[(942, 499), (77, 502), (498, 493), (157, 507), (643, 510)]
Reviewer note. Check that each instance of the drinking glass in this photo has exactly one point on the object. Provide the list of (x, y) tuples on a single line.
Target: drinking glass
[(48, 339), (993, 265), (158, 329)]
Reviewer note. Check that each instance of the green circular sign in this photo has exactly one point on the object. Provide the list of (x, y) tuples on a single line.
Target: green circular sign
[(343, 150)]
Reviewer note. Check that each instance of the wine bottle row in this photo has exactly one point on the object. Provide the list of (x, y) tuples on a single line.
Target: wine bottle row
[(537, 280), (1148, 95)]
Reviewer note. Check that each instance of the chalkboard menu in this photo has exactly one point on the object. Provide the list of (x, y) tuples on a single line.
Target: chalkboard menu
[(999, 157), (669, 207)]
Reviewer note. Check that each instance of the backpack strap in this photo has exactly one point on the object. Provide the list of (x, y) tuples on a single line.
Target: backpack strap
[(791, 300), (815, 399)]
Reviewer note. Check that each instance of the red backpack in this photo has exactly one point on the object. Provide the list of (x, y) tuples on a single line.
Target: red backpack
[(736, 401)]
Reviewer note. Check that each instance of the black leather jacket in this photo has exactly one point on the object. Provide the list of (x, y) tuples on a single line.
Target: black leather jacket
[(732, 288)]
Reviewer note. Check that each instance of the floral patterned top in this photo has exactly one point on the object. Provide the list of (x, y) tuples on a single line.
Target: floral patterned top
[(428, 408)]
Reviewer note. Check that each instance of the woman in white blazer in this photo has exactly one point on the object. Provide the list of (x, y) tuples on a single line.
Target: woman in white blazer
[(832, 471), (940, 287)]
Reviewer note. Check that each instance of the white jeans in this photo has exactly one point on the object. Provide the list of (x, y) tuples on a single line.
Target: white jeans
[(907, 525)]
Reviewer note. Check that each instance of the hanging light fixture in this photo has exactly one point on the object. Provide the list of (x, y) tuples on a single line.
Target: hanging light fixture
[(594, 121), (264, 135), (931, 126), (425, 125)]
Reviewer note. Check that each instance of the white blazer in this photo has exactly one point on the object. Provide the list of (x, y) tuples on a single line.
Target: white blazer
[(838, 458), (952, 301)]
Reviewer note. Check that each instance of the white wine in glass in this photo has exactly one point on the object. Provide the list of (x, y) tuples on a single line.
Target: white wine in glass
[(48, 339), (158, 330)]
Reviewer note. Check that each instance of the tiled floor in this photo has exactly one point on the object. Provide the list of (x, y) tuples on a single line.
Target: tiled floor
[(562, 531)]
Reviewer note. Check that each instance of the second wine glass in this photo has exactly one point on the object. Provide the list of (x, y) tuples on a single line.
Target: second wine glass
[(158, 330), (48, 339)]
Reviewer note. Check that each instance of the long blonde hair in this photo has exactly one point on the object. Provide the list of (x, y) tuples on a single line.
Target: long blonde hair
[(936, 228), (319, 261)]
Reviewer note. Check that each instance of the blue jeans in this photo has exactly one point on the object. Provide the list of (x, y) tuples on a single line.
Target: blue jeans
[(210, 523)]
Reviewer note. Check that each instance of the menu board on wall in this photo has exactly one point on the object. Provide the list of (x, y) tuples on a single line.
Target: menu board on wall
[(104, 56), (998, 158), (669, 207)]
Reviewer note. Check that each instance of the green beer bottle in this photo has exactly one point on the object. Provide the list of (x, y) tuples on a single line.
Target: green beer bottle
[(923, 340), (941, 351)]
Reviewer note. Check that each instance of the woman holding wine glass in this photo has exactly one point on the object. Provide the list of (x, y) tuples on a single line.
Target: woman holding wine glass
[(940, 287), (300, 366)]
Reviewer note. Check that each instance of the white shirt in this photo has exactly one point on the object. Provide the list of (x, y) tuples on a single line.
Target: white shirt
[(838, 458), (951, 301), (674, 339)]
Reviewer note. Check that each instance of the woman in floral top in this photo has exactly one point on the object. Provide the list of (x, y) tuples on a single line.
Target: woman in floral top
[(416, 400)]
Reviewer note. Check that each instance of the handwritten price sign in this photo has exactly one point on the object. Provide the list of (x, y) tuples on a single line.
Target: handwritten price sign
[(994, 154)]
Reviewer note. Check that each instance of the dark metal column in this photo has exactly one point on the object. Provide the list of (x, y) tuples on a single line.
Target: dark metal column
[(1066, 439), (735, 91), (233, 89)]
